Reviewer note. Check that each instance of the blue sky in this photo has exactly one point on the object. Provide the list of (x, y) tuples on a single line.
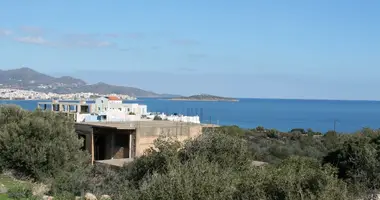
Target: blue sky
[(263, 49)]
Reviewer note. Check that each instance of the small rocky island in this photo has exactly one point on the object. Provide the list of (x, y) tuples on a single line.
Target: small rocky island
[(203, 97)]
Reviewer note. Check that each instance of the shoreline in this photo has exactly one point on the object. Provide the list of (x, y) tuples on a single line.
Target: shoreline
[(214, 100), (59, 99)]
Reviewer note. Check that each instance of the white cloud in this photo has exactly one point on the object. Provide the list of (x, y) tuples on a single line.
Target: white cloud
[(87, 43), (31, 40), (4, 32), (84, 41), (32, 30), (103, 44)]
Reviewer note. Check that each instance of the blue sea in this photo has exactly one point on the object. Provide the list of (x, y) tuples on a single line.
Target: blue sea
[(319, 115)]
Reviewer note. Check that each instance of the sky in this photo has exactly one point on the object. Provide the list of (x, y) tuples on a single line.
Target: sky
[(325, 49)]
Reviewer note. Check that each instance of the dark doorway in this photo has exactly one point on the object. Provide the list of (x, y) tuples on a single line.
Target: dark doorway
[(100, 147), (121, 146), (83, 138)]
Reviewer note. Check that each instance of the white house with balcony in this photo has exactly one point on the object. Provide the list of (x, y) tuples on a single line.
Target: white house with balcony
[(104, 104), (136, 108), (109, 108)]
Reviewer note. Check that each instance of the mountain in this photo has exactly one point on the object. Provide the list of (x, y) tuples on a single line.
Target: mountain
[(29, 79), (70, 80), (26, 77), (103, 88)]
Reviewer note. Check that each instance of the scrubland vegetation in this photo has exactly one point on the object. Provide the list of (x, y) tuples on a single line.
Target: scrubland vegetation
[(42, 147)]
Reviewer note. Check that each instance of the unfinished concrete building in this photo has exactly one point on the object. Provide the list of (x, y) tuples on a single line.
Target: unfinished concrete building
[(115, 143)]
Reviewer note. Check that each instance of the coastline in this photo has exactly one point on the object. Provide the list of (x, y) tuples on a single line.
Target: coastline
[(214, 100), (320, 115)]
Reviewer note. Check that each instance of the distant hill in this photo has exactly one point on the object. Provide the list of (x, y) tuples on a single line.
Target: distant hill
[(26, 77), (203, 97), (29, 79), (103, 88)]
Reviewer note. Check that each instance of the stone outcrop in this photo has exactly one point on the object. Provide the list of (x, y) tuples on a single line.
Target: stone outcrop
[(40, 189), (89, 196), (45, 197), (105, 197)]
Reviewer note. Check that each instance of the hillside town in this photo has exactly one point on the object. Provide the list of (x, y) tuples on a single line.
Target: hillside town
[(16, 94)]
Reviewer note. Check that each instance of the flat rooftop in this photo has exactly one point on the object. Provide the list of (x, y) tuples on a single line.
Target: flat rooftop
[(62, 102), (131, 125)]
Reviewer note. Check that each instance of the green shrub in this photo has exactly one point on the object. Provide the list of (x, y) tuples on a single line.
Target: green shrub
[(196, 179), (295, 178), (260, 129), (358, 162), (273, 133), (157, 118), (20, 192), (154, 160), (42, 146), (224, 149)]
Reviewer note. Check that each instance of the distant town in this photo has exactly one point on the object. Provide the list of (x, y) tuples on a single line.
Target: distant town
[(17, 94)]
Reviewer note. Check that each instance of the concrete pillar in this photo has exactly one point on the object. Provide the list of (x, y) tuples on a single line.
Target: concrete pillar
[(92, 148), (130, 145), (137, 140), (112, 145)]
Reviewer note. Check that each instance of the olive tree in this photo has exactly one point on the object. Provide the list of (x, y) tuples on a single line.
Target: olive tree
[(40, 145)]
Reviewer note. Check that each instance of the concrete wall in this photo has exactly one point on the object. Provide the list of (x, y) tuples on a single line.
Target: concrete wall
[(117, 116), (146, 135)]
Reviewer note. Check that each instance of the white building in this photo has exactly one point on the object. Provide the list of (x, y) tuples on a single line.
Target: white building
[(111, 108), (136, 109), (114, 104), (103, 104), (177, 118)]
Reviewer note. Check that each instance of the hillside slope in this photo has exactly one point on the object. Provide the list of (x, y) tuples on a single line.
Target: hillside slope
[(29, 79)]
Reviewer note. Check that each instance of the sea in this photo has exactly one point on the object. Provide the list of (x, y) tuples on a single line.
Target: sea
[(281, 114)]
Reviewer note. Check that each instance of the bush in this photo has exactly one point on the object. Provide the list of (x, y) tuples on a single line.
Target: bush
[(231, 130), (273, 133), (40, 145), (20, 192), (357, 160), (157, 118), (295, 178), (154, 160), (260, 129), (226, 150), (196, 179)]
